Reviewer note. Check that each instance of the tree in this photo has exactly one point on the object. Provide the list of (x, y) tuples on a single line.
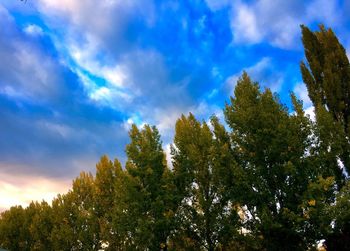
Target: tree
[(275, 150), (339, 238), (13, 234), (107, 174), (39, 223), (64, 221), (144, 215), (327, 77), (75, 224), (202, 161)]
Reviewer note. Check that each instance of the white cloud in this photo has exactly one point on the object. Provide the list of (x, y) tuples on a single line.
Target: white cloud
[(231, 83), (348, 51), (263, 72), (86, 57), (278, 21), (114, 75), (115, 92), (266, 19), (57, 128), (244, 25), (104, 21), (301, 91), (102, 93), (127, 124), (165, 118), (33, 30), (133, 119), (311, 112), (325, 11), (167, 151), (204, 110), (110, 97)]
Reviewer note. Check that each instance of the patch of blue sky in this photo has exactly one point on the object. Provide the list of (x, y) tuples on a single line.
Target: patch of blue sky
[(23, 107)]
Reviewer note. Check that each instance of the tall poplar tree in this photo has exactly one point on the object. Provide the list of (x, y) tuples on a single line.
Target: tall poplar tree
[(327, 77), (105, 189), (202, 163), (75, 223), (274, 149), (39, 217), (13, 233), (144, 216)]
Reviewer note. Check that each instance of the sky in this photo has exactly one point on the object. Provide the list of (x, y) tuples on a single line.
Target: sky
[(75, 75)]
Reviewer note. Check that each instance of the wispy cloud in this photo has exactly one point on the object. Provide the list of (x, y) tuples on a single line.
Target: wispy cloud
[(277, 22), (264, 71)]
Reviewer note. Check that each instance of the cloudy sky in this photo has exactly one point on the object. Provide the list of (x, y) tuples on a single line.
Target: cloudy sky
[(74, 75)]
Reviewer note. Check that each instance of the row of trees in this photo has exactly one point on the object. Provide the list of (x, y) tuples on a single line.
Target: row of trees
[(275, 180)]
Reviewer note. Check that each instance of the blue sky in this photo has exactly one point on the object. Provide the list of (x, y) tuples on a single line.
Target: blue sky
[(74, 75)]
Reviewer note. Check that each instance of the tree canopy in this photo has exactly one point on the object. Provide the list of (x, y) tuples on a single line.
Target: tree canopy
[(327, 77)]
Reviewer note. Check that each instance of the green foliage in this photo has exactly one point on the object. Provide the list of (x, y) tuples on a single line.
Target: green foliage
[(339, 237), (327, 77), (107, 175), (40, 226), (14, 235), (27, 229), (144, 215), (327, 147), (202, 163), (274, 148), (75, 224)]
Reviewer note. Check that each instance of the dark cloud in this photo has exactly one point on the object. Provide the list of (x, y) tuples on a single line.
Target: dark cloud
[(48, 124)]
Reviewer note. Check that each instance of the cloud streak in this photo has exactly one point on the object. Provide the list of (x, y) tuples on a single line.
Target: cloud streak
[(277, 22)]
